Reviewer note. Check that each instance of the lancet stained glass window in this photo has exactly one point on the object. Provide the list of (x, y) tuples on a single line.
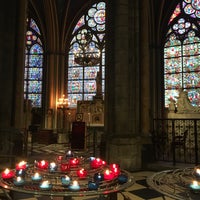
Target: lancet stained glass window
[(87, 55), (182, 53), (33, 64)]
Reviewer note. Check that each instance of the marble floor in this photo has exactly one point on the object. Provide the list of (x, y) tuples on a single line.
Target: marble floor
[(138, 191)]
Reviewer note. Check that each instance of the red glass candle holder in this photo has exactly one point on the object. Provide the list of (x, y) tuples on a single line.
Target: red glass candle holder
[(74, 162), (43, 164), (108, 175), (82, 173), (21, 165), (7, 174), (64, 167), (96, 163)]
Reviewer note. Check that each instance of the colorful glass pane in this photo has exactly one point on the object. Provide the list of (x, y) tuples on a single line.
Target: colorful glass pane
[(35, 60), (176, 12), (91, 72), (191, 63), (75, 86), (36, 99), (86, 45), (73, 98), (172, 65), (89, 97), (174, 51), (90, 86), (33, 73), (36, 49), (191, 80), (171, 95), (80, 23), (75, 73), (191, 49), (34, 26), (194, 96), (173, 81)]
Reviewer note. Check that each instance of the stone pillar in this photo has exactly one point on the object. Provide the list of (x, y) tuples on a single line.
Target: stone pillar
[(122, 109), (12, 40)]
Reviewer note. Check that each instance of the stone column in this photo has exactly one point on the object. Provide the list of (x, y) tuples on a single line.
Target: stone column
[(122, 115), (12, 40)]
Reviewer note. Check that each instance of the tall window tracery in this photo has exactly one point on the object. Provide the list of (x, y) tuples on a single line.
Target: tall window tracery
[(87, 55), (182, 53), (33, 64)]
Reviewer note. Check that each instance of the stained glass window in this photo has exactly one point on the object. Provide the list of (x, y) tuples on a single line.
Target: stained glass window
[(182, 53), (87, 55), (33, 64)]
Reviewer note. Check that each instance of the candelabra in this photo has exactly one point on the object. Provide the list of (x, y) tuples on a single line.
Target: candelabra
[(63, 105)]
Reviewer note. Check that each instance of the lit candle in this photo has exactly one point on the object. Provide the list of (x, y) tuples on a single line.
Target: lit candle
[(64, 167), (195, 186), (82, 173), (52, 167), (36, 177), (98, 177), (45, 185), (92, 185), (74, 162), (74, 186), (20, 172), (96, 163), (197, 172), (108, 175), (19, 181), (7, 174), (65, 180), (21, 165), (115, 169), (43, 164), (69, 154)]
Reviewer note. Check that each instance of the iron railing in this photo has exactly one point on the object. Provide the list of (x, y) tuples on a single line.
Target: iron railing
[(176, 140)]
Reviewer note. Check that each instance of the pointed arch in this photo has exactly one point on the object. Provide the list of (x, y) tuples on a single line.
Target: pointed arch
[(34, 56), (182, 53), (86, 55)]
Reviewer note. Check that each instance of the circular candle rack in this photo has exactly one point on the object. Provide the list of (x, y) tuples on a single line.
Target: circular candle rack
[(55, 185), (177, 184)]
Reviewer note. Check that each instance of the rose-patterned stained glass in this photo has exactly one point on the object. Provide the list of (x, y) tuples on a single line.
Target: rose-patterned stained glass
[(33, 75), (88, 39), (182, 53)]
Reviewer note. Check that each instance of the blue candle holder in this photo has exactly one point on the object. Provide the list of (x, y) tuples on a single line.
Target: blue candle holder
[(53, 167), (45, 185), (18, 181), (21, 172), (36, 177), (92, 185), (65, 180), (98, 177), (122, 178), (74, 186), (195, 187)]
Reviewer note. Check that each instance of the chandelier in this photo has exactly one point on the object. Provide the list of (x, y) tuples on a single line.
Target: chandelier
[(87, 54), (87, 57)]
